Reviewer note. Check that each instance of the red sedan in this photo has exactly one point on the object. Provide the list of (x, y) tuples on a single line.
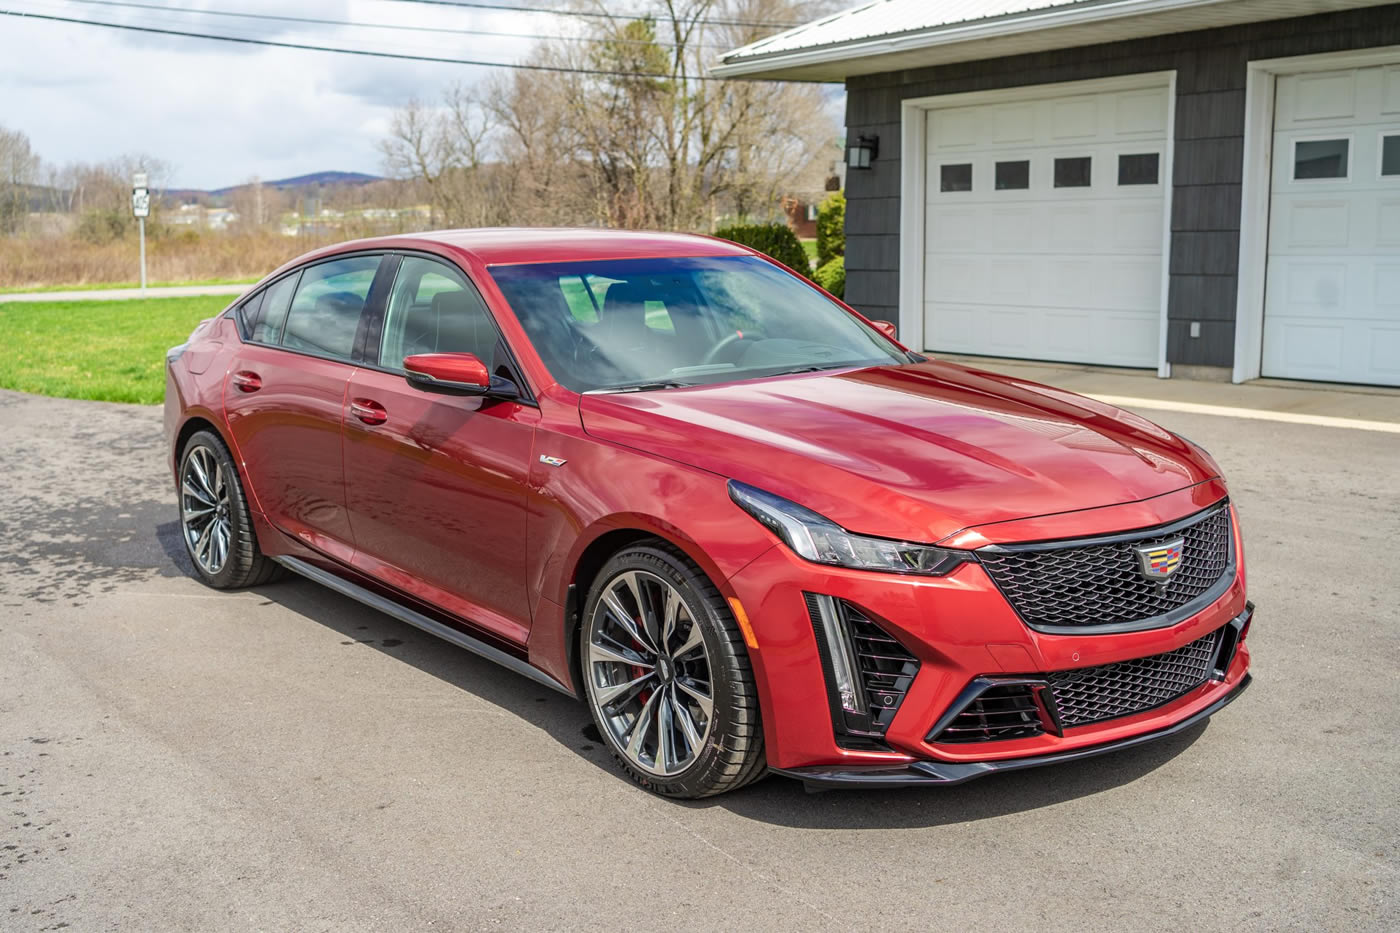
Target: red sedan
[(744, 525)]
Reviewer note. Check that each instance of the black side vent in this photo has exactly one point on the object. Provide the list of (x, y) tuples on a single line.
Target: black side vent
[(1007, 711), (881, 670)]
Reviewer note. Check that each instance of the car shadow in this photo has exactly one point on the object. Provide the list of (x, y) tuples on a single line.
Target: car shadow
[(775, 800)]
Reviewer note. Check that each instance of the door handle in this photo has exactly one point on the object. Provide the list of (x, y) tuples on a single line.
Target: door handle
[(368, 411), (246, 380)]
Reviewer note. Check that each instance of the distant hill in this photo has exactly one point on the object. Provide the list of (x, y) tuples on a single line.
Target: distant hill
[(314, 179)]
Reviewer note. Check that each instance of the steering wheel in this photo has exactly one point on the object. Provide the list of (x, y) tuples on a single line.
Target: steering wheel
[(725, 343)]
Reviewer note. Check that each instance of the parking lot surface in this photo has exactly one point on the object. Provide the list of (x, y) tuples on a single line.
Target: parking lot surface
[(173, 758)]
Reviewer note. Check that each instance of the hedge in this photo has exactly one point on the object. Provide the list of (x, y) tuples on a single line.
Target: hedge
[(775, 240), (832, 276), (831, 227)]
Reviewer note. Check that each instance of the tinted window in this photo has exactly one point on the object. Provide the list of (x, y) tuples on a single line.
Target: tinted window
[(955, 177), (248, 313), (1321, 158), (1390, 155), (266, 327), (614, 323), (326, 311), (1013, 176), (434, 309), (1072, 173), (1138, 169)]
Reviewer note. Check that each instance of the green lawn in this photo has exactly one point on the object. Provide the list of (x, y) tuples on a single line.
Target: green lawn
[(105, 286), (811, 247), (111, 351)]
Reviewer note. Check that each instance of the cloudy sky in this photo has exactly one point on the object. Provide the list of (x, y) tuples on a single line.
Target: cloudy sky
[(222, 113)]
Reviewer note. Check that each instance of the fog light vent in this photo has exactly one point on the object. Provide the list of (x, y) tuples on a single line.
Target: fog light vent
[(868, 672)]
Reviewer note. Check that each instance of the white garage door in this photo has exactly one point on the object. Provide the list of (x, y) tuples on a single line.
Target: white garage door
[(1044, 228), (1332, 294)]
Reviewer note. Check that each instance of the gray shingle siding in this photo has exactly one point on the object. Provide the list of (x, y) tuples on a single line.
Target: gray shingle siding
[(1211, 67)]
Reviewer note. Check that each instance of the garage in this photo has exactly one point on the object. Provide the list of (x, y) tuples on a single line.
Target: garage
[(1044, 224), (1332, 292)]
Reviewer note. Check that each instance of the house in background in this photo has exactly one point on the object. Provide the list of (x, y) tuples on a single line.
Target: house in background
[(1210, 188)]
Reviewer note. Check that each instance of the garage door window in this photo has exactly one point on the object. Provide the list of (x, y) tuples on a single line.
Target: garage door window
[(1072, 173), (1320, 158), (1013, 176), (1390, 155), (1138, 169), (956, 177)]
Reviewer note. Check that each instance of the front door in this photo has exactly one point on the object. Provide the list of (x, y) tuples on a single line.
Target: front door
[(436, 483), (285, 399)]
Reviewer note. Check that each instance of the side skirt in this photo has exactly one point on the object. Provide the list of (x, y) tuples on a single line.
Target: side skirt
[(418, 620)]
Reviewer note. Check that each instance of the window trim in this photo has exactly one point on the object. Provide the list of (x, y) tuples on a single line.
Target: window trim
[(1325, 138), (374, 336)]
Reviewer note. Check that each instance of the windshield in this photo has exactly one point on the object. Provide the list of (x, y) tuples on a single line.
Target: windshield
[(655, 323)]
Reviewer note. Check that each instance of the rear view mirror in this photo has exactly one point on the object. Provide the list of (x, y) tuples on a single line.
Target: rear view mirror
[(450, 373), (887, 328)]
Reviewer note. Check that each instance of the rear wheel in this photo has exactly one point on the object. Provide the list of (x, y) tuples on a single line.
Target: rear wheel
[(214, 520), (667, 677)]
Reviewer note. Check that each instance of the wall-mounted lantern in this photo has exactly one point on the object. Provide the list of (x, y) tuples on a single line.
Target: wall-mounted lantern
[(862, 152)]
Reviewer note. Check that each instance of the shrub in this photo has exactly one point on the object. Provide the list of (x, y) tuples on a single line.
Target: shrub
[(832, 276), (775, 240), (831, 227)]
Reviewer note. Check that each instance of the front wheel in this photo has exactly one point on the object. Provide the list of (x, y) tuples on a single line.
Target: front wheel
[(667, 677)]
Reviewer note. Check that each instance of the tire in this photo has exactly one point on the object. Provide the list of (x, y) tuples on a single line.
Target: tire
[(627, 684), (210, 494)]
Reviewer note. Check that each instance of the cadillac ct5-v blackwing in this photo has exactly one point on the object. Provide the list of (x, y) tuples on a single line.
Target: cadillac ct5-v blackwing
[(739, 521)]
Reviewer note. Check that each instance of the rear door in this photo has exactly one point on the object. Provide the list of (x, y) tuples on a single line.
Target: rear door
[(285, 397), (436, 483)]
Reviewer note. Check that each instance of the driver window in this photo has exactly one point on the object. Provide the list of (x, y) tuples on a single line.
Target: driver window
[(434, 309)]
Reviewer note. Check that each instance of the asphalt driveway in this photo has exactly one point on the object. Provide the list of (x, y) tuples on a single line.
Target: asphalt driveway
[(285, 759)]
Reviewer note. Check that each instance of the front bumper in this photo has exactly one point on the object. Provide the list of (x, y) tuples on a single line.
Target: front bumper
[(960, 629), (924, 773)]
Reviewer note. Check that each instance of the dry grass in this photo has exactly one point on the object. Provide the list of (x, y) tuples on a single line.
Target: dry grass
[(30, 262)]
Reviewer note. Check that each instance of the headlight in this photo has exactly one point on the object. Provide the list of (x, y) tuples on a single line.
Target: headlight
[(822, 541)]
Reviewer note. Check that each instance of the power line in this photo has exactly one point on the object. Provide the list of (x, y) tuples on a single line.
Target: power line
[(368, 53), (316, 21), (593, 14)]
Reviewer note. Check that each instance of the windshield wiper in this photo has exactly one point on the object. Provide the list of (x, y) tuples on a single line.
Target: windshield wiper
[(639, 387), (811, 369)]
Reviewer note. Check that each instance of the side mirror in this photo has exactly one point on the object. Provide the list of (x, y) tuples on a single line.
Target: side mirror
[(449, 373), (887, 328)]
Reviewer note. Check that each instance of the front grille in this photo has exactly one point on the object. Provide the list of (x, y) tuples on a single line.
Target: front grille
[(1055, 588), (1004, 711), (1093, 694), (886, 667)]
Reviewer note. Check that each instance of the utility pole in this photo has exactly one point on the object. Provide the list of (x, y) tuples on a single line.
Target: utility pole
[(141, 208)]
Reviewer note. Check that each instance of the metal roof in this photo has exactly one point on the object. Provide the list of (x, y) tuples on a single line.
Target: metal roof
[(889, 35)]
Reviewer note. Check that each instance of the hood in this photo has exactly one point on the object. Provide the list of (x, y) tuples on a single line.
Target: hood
[(913, 452)]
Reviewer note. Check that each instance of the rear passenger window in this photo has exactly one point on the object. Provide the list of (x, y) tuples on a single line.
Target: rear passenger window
[(326, 311), (434, 309)]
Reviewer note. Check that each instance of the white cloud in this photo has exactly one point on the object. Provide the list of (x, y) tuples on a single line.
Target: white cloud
[(221, 113)]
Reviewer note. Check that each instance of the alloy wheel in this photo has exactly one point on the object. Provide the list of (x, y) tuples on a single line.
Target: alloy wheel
[(204, 509), (649, 673)]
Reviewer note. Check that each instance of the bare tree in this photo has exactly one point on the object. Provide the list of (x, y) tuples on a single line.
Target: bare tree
[(19, 172), (627, 132)]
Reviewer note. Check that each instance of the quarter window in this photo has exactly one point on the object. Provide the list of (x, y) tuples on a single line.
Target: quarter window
[(326, 310), (1138, 169), (1013, 176), (265, 325), (956, 177), (1320, 158), (434, 309), (1073, 172)]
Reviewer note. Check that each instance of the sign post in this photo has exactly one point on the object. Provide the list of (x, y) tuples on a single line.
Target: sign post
[(141, 208)]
